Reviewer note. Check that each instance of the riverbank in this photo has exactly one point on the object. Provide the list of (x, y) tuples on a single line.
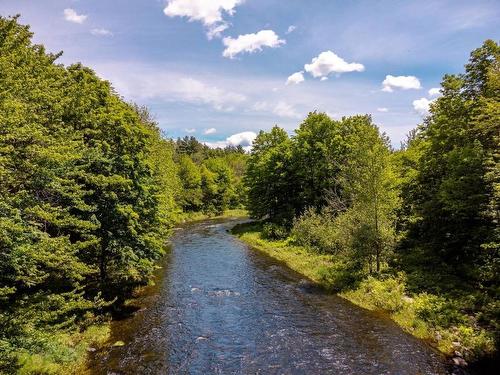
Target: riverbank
[(431, 318), (188, 217)]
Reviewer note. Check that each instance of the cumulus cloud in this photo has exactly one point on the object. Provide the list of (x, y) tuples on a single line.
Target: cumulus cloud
[(210, 131), (251, 43), (291, 29), (210, 13), (422, 105), (101, 32), (328, 62), (382, 109), (244, 139), (435, 91), (190, 130), (400, 82), (71, 16), (295, 78)]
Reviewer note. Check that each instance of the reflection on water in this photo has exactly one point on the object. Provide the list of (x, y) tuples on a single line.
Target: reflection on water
[(222, 308)]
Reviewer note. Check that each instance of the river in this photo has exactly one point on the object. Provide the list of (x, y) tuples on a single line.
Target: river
[(221, 307)]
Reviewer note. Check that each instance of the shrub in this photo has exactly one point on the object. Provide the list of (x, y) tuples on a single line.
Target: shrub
[(273, 231), (315, 231), (386, 294)]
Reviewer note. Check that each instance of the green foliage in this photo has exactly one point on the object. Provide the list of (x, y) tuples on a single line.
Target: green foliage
[(453, 192), (189, 174), (211, 179), (269, 178), (316, 231), (319, 151), (87, 194), (274, 231)]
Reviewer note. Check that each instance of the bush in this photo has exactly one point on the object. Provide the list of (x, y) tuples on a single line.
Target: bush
[(273, 231), (315, 231), (438, 311), (340, 276), (386, 294)]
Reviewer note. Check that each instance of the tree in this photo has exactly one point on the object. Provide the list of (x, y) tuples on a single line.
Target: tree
[(319, 151), (369, 183), (268, 177), (217, 185), (190, 176), (452, 190)]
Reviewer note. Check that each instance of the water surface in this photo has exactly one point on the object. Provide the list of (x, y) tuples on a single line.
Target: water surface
[(221, 307)]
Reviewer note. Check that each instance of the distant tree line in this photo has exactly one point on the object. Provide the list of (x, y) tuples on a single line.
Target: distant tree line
[(211, 179)]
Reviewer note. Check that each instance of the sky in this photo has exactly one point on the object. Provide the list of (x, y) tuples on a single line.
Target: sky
[(222, 70)]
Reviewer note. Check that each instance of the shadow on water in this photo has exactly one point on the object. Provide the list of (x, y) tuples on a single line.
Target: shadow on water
[(220, 307)]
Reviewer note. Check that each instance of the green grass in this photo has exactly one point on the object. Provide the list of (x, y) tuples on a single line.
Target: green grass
[(434, 319), (62, 353), (196, 216)]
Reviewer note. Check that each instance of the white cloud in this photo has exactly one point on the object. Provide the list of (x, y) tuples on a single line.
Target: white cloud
[(284, 109), (216, 31), (328, 62), (324, 79), (400, 82), (435, 91), (191, 130), (209, 12), (210, 131), (101, 32), (421, 106), (295, 78), (382, 109), (251, 43), (71, 16), (291, 29), (244, 139)]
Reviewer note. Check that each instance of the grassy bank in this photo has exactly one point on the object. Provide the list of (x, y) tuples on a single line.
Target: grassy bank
[(59, 352), (435, 319), (196, 216)]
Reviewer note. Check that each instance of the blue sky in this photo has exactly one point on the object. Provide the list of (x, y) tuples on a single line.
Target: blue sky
[(223, 69)]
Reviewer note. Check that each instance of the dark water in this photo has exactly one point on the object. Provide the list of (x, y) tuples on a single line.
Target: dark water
[(223, 308)]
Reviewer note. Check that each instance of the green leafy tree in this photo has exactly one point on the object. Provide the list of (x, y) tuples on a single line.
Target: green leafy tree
[(269, 176), (190, 176), (454, 190), (369, 183), (319, 151)]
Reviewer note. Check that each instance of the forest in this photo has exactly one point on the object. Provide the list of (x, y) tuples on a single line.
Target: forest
[(90, 189)]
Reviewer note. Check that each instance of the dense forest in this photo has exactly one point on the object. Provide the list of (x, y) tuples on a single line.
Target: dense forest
[(90, 189)]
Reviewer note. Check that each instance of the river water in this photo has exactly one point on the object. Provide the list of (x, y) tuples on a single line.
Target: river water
[(221, 307)]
